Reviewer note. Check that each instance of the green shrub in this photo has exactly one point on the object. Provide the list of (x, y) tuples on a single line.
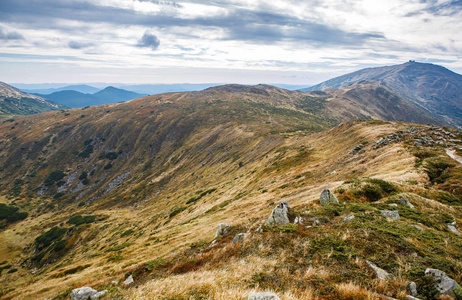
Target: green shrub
[(86, 152), (384, 185), (437, 170), (110, 155), (53, 177), (49, 237), (177, 211), (11, 214), (127, 232), (372, 192), (79, 220), (107, 166)]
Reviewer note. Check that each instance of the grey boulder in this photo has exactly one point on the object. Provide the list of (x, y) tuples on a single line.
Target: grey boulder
[(263, 296), (83, 293), (240, 237), (328, 198), (129, 280), (279, 215), (223, 228), (392, 214), (381, 273), (406, 202), (444, 284)]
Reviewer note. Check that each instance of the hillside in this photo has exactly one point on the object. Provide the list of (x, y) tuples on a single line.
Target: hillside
[(139, 188), (429, 86), (76, 99), (15, 102)]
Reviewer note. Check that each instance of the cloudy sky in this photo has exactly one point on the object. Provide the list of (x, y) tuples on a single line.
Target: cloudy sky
[(221, 41)]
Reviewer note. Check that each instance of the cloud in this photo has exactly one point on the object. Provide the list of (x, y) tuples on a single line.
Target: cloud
[(79, 45), (9, 35), (150, 40)]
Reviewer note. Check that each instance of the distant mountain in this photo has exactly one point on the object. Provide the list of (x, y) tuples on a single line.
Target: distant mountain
[(16, 102), (82, 88), (432, 87), (106, 96)]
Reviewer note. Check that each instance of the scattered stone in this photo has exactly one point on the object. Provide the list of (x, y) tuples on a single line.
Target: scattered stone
[(240, 237), (406, 202), (418, 227), (453, 229), (393, 204), (263, 296), (83, 293), (392, 214), (412, 288), (328, 198), (409, 297), (349, 218), (129, 280), (223, 228), (444, 284), (298, 220), (381, 273), (279, 215), (98, 295)]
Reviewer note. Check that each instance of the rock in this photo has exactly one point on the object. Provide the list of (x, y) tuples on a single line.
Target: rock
[(83, 293), (263, 296), (223, 228), (381, 273), (279, 215), (240, 237), (97, 295), (444, 284), (392, 214), (129, 280), (453, 229), (298, 220), (418, 227), (349, 218), (409, 297), (328, 198), (412, 288), (393, 204), (406, 202)]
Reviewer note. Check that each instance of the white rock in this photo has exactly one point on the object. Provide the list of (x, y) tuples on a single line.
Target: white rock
[(97, 295), (381, 273), (129, 280), (263, 296), (82, 293)]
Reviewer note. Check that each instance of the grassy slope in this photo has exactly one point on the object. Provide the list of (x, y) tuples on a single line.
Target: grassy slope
[(245, 171)]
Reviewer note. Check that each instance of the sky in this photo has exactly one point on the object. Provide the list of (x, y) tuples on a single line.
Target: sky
[(233, 41)]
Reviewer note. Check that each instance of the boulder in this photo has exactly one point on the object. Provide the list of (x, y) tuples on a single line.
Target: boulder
[(412, 288), (349, 218), (444, 284), (129, 280), (98, 295), (240, 237), (83, 293), (453, 229), (409, 297), (328, 198), (406, 202), (392, 214), (263, 296), (381, 273), (279, 215), (223, 228)]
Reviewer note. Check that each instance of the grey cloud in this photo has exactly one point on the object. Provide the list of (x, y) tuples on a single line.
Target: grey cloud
[(238, 23), (150, 40), (79, 45), (8, 35)]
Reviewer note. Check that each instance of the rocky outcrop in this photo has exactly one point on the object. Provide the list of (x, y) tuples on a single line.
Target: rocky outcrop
[(381, 273), (263, 296), (223, 228), (406, 202), (83, 293), (452, 228), (129, 281), (392, 214), (349, 218), (328, 198), (412, 288), (444, 284), (240, 237), (279, 215)]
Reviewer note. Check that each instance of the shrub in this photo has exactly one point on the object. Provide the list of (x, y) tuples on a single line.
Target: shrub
[(372, 192), (51, 236), (437, 170), (177, 211), (87, 151), (11, 214), (79, 220), (107, 166), (110, 155), (384, 185), (127, 232), (53, 177)]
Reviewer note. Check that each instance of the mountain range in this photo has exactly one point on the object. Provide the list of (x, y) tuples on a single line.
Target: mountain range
[(431, 87), (77, 99), (16, 102), (169, 197)]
